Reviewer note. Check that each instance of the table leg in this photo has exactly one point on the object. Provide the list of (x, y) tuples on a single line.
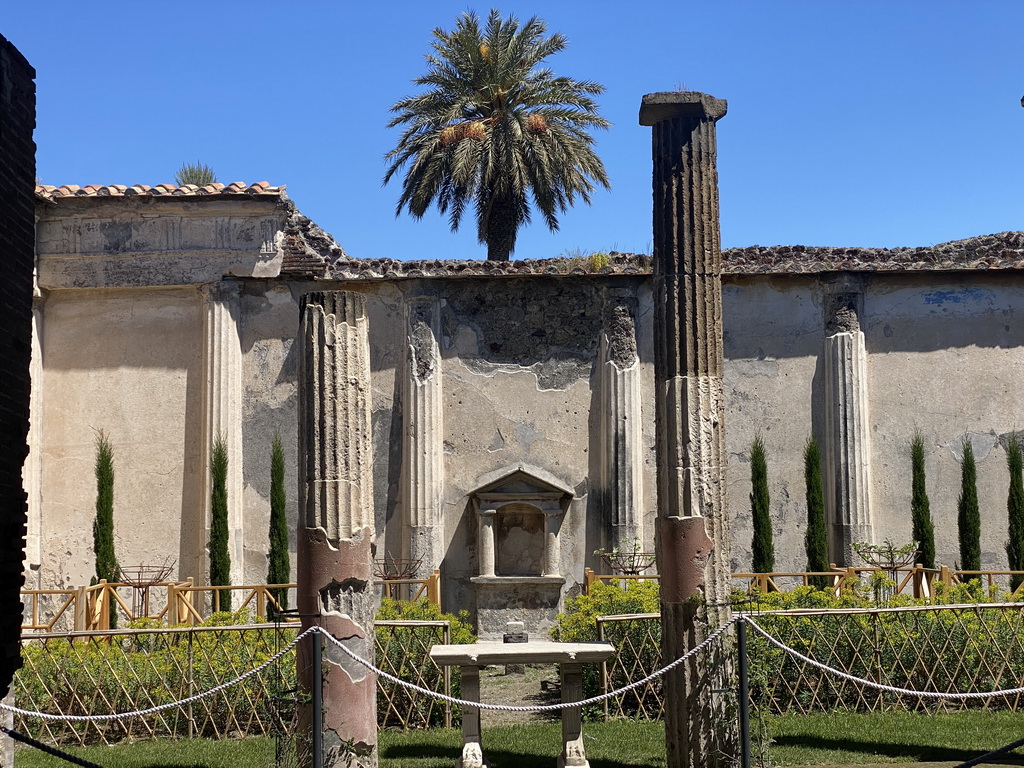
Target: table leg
[(472, 752), (572, 719)]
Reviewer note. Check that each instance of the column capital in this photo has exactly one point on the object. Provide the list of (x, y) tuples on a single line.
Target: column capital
[(222, 290), (666, 105)]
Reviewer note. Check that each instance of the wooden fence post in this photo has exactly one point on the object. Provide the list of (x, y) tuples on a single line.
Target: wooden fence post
[(589, 577), (81, 608), (434, 588)]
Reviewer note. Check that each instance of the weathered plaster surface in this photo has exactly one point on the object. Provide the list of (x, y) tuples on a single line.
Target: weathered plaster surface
[(125, 362)]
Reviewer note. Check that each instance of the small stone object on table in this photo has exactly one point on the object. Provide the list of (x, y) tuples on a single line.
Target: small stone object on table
[(569, 656), (515, 632)]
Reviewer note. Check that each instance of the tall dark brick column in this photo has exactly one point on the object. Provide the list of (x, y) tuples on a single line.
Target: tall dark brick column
[(17, 244), (693, 536)]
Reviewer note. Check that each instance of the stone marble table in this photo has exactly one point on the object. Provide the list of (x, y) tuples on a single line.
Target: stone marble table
[(569, 656)]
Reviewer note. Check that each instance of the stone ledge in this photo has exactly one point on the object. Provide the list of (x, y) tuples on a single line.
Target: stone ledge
[(505, 581)]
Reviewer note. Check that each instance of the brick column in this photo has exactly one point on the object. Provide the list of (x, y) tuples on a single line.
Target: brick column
[(335, 536), (693, 535)]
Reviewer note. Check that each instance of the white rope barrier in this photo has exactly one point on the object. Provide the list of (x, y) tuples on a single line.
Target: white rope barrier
[(161, 707), (870, 683), (540, 707), (509, 708)]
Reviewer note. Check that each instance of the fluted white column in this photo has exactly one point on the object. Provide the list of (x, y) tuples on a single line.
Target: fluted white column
[(620, 416), (222, 403), (32, 471), (422, 437), (847, 445)]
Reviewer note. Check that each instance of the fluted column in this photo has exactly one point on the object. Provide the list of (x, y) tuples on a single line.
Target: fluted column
[(33, 470), (622, 460), (693, 536), (222, 403), (422, 437), (335, 536), (847, 434)]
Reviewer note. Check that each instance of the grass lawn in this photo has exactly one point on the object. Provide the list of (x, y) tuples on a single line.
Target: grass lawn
[(817, 740)]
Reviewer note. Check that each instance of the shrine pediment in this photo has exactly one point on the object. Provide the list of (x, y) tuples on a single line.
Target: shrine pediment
[(522, 481)]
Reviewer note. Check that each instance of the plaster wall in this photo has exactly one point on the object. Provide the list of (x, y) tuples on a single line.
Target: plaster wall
[(518, 388), (773, 340), (125, 362), (944, 357)]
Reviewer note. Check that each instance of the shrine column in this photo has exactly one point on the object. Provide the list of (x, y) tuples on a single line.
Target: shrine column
[(335, 535), (847, 430), (222, 414), (693, 532), (487, 543), (422, 437), (622, 458)]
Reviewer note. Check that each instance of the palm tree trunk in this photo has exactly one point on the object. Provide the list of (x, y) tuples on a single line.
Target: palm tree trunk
[(501, 232)]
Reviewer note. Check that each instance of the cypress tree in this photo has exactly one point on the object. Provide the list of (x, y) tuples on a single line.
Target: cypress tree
[(1015, 510), (220, 559), (816, 536), (968, 516), (279, 567), (103, 525), (760, 510), (920, 510)]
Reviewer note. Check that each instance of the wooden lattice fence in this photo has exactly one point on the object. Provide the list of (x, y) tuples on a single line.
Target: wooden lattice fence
[(126, 670), (948, 648)]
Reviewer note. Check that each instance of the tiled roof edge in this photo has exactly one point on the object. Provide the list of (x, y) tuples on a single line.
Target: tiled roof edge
[(1004, 250), (259, 188)]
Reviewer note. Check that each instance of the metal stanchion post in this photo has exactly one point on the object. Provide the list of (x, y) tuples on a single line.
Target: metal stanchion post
[(318, 700), (744, 693)]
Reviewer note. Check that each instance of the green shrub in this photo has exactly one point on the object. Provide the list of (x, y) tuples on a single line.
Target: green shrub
[(404, 652), (761, 546), (968, 515), (639, 639), (279, 565), (220, 559), (578, 624), (103, 525), (120, 673), (920, 510), (1015, 511), (816, 536)]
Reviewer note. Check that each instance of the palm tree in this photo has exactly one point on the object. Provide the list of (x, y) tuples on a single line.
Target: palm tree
[(494, 127)]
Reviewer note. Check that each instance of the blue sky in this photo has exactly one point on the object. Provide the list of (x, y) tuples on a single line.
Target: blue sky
[(850, 123)]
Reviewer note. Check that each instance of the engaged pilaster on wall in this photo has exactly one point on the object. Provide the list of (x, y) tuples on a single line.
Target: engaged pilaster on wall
[(33, 470), (847, 437), (335, 536), (422, 443), (622, 463), (222, 402)]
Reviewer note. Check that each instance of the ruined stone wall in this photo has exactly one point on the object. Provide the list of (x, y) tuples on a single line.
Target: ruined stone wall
[(17, 174), (519, 362)]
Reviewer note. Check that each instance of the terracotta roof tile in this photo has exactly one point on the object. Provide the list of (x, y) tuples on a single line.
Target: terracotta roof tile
[(260, 188)]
